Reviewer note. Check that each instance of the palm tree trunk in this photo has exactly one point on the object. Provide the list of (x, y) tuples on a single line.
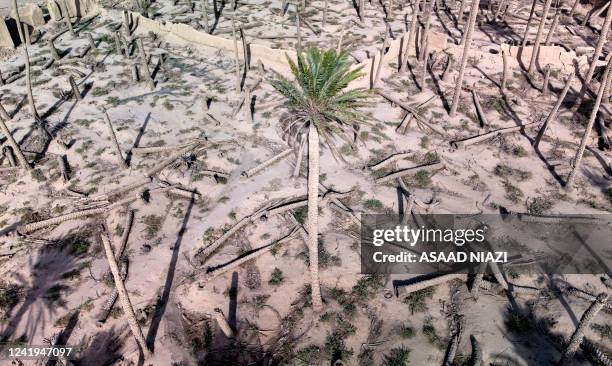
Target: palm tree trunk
[(66, 15), (603, 37), (313, 216), (324, 21), (20, 29), (299, 35), (425, 32), (236, 61), (546, 81), (573, 9), (584, 323), (553, 27), (536, 45), (223, 323), (528, 25), (126, 23), (553, 113), (11, 141), (75, 89), (205, 15), (29, 86), (113, 137), (505, 70), (411, 34), (464, 56), (128, 310), (382, 56), (587, 132), (461, 10)]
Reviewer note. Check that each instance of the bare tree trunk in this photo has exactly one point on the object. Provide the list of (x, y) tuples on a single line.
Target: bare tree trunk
[(205, 15), (91, 41), (461, 10), (11, 141), (126, 304), (75, 89), (223, 323), (324, 21), (553, 113), (424, 66), (553, 27), (587, 132), (29, 86), (236, 60), (313, 216), (603, 37), (297, 24), (118, 48), (585, 321), (505, 71), (66, 15), (425, 32), (528, 25), (126, 24), (56, 56), (382, 56), (464, 57), (536, 45), (113, 137), (546, 81), (20, 29), (144, 64), (411, 35)]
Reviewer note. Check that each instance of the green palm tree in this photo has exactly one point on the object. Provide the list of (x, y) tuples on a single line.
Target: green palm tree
[(320, 105)]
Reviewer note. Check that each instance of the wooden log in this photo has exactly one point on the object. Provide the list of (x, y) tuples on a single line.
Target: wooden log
[(411, 110), (489, 135), (479, 110), (223, 324), (61, 159), (249, 173), (113, 138), (408, 171), (390, 159)]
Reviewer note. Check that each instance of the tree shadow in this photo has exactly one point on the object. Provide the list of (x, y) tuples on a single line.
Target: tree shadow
[(163, 302), (103, 349)]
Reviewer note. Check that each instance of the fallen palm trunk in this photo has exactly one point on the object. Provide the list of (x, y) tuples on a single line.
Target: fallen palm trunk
[(240, 260), (390, 159), (479, 110), (112, 298), (489, 135), (596, 353), (61, 159), (171, 159), (157, 149), (272, 160), (284, 206), (411, 110), (223, 323), (408, 171), (129, 220), (72, 216), (561, 219), (586, 296), (179, 191), (118, 191), (433, 282)]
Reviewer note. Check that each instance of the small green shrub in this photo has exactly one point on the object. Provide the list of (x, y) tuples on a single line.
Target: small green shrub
[(276, 278), (417, 300), (397, 357)]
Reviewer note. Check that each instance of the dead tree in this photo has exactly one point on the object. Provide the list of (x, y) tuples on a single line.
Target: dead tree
[(410, 36), (528, 25), (113, 137), (204, 4), (425, 30), (505, 71), (381, 56), (297, 25), (76, 94), (546, 81), (11, 141), (603, 37), (66, 15), (91, 41), (536, 45), (236, 60), (126, 303), (585, 322), (144, 64), (29, 86), (324, 20), (589, 127), (553, 26), (464, 56), (553, 113)]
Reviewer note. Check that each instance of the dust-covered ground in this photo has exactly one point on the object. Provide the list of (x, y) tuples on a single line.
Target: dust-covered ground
[(185, 141)]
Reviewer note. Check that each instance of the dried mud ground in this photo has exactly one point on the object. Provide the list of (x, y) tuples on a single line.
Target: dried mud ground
[(55, 280)]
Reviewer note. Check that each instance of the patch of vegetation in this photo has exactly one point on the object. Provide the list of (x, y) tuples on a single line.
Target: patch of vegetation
[(301, 214), (604, 331), (504, 171), (422, 179), (406, 332), (416, 301), (310, 355), (429, 331), (98, 92), (276, 278), (153, 224), (516, 322), (397, 357), (335, 347), (38, 175), (9, 297), (373, 204), (539, 205), (513, 193), (519, 151)]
